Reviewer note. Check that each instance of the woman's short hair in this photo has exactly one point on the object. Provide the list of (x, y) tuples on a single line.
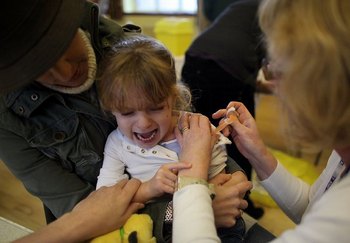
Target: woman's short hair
[(309, 46)]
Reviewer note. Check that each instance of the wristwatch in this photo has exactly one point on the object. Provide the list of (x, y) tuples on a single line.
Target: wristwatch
[(183, 181)]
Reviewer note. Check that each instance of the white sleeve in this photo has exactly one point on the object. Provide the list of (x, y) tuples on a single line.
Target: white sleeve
[(218, 156), (193, 216), (327, 220), (113, 168), (290, 193)]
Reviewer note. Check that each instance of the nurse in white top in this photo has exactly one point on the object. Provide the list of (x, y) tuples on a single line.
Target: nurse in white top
[(309, 51)]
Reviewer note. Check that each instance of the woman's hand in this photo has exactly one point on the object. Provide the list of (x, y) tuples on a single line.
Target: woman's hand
[(197, 141), (108, 208), (103, 211), (243, 130), (245, 135), (229, 203)]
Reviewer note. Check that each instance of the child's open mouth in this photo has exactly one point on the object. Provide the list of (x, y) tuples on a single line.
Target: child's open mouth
[(146, 137)]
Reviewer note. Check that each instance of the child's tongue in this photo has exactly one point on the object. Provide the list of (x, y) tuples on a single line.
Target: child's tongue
[(146, 135)]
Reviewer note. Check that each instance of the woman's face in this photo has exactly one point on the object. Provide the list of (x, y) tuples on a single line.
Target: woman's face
[(148, 126), (71, 69)]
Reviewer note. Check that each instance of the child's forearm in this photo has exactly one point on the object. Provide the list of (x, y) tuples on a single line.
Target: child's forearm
[(143, 194)]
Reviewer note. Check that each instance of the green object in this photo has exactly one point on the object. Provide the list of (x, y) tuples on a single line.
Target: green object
[(121, 232)]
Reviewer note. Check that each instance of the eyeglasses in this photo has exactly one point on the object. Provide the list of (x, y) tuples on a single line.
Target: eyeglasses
[(269, 70)]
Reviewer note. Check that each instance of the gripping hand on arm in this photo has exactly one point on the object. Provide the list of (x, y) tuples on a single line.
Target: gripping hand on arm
[(228, 202), (102, 211), (193, 213)]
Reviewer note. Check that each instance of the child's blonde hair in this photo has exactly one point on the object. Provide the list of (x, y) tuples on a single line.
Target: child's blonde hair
[(141, 69), (309, 41)]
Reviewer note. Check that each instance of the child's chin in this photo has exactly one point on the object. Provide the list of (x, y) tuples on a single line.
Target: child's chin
[(146, 145)]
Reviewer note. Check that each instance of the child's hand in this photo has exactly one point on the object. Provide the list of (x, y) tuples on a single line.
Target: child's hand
[(164, 181)]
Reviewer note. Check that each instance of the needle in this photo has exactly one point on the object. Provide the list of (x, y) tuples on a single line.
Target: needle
[(232, 115)]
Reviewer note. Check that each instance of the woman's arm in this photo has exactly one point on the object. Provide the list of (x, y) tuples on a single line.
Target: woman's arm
[(102, 211), (193, 213), (290, 193), (193, 210)]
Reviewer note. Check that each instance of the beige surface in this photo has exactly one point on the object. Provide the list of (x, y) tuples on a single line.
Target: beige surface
[(16, 204), (10, 231)]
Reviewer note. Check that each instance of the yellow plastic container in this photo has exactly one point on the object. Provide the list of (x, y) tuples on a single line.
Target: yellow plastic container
[(175, 33)]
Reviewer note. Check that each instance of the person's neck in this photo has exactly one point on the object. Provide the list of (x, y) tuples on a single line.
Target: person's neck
[(344, 154)]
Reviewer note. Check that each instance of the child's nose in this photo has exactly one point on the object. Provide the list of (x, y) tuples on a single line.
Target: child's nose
[(144, 121)]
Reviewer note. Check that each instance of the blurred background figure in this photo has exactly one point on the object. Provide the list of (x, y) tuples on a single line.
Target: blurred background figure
[(209, 10)]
